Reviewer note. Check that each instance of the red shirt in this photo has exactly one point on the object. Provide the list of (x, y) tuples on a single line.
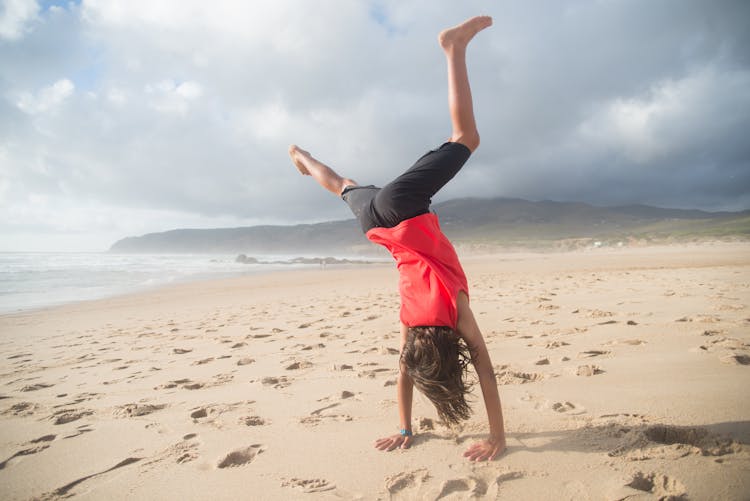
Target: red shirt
[(430, 275)]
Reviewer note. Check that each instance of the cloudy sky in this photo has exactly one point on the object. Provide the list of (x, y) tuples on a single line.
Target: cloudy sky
[(122, 117)]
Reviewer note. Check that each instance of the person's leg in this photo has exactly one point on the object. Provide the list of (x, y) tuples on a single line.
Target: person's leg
[(454, 42), (324, 175), (410, 194)]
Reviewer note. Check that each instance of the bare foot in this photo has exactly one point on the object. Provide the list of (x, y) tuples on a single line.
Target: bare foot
[(297, 154), (459, 36)]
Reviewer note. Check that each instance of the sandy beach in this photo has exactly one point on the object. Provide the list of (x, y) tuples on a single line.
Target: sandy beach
[(624, 374)]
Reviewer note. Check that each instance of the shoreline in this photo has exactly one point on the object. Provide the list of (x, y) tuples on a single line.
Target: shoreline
[(89, 285), (466, 254), (621, 372), (159, 290)]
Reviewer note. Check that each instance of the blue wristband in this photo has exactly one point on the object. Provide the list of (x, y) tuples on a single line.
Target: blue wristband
[(405, 433)]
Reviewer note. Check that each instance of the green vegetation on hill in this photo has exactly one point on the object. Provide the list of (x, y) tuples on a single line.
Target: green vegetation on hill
[(496, 222)]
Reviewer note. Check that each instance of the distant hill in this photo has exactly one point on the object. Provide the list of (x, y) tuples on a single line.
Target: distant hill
[(511, 221), (497, 222), (301, 239)]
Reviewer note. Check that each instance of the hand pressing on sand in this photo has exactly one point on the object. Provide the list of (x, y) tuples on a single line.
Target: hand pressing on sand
[(393, 442), (486, 450)]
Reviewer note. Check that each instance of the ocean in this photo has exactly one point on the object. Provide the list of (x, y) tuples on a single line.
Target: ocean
[(36, 279)]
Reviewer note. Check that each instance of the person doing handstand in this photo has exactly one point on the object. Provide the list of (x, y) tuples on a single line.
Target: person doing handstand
[(439, 334)]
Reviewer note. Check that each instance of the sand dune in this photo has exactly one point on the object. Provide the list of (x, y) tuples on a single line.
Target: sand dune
[(623, 375)]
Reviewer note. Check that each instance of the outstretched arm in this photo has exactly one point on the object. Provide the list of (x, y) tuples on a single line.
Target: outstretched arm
[(469, 331), (405, 389)]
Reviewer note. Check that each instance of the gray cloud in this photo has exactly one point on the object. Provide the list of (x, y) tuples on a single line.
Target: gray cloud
[(126, 117)]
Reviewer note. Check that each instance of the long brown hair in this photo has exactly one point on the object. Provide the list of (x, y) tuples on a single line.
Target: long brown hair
[(437, 360)]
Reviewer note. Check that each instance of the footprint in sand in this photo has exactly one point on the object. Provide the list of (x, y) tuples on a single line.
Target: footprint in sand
[(730, 307), (135, 410), (181, 452), (310, 485), (734, 350), (592, 353), (672, 442), (697, 440), (372, 373), (425, 424), (599, 314), (629, 342), (30, 450), (317, 416), (506, 376), (303, 364), (187, 453), (241, 456), (187, 384), (199, 413), (735, 359), (65, 416), (21, 409), (215, 411), (35, 387), (462, 488), (493, 492), (276, 382), (712, 332), (661, 486), (548, 307), (172, 384), (588, 370), (708, 319), (184, 451), (563, 406), (405, 483), (80, 431), (253, 421), (342, 367), (45, 438), (338, 396)]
